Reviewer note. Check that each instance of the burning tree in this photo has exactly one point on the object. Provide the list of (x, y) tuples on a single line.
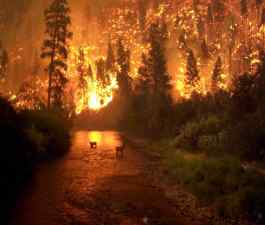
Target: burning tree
[(55, 50), (123, 77), (3, 63), (83, 75), (157, 77), (192, 73), (217, 79)]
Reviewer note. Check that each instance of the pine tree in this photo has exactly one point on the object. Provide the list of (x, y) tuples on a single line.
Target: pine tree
[(123, 77), (142, 5), (102, 75), (243, 7), (3, 63), (145, 78), (258, 7), (210, 17), (182, 42), (259, 3), (200, 27), (55, 50), (218, 10), (36, 64), (192, 73), (160, 104), (157, 61), (164, 34), (217, 79), (195, 4), (90, 73), (262, 22), (82, 84), (110, 60), (205, 50)]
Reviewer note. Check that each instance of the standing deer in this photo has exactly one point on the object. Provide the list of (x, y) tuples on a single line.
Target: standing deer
[(120, 151), (93, 144)]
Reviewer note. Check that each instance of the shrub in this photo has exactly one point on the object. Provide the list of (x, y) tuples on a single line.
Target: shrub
[(247, 137), (200, 134), (17, 156), (221, 181), (254, 204), (49, 129)]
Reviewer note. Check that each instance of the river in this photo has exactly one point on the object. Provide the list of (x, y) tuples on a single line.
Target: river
[(92, 187)]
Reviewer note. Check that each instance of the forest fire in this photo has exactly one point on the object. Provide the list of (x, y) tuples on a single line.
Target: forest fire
[(163, 76), (93, 88)]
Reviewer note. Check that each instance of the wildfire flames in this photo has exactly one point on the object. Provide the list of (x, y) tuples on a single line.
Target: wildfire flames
[(237, 44), (93, 95)]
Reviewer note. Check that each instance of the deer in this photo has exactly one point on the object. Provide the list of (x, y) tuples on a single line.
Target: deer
[(93, 144), (120, 151)]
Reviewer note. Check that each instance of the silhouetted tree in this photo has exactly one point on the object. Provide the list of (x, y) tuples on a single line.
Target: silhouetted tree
[(259, 3), (217, 79), (142, 7), (3, 62), (262, 21), (90, 72), (243, 100), (200, 27), (55, 50), (260, 81), (182, 42), (123, 77), (145, 78), (243, 7), (110, 60), (82, 82), (192, 74), (205, 50), (102, 75), (161, 80), (195, 4), (157, 60), (218, 10), (36, 64), (210, 17)]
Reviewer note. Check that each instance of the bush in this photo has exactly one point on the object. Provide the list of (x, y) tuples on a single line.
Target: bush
[(50, 132), (17, 156), (254, 204), (221, 181), (247, 137), (200, 134), (24, 138)]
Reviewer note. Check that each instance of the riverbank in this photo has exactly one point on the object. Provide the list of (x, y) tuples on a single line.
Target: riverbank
[(215, 190), (27, 139), (93, 187)]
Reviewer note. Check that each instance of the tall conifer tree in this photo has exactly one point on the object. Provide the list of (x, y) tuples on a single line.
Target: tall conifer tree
[(55, 50)]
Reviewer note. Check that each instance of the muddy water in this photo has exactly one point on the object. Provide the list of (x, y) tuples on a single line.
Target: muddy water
[(92, 187)]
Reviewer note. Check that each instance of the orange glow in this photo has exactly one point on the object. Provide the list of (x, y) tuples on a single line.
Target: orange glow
[(95, 136)]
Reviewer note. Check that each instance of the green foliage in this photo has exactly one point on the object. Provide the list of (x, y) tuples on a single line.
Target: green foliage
[(17, 155), (247, 137), (48, 130), (25, 138), (254, 204), (200, 133), (152, 104), (221, 181)]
